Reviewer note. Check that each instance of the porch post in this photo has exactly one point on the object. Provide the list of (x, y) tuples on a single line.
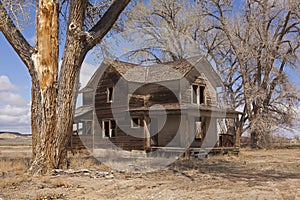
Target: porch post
[(187, 136), (147, 132), (93, 130), (237, 134)]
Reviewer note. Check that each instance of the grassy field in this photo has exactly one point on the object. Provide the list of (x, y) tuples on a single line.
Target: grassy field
[(260, 174), (254, 174)]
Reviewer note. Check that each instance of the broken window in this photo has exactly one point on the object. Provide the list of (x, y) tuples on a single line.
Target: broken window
[(109, 128), (201, 94), (198, 94), (199, 128), (87, 128), (112, 128), (195, 92), (110, 92), (80, 128), (135, 122)]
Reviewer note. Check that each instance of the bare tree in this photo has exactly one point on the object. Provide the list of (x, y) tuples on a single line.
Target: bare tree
[(53, 90), (262, 41), (167, 29), (252, 44)]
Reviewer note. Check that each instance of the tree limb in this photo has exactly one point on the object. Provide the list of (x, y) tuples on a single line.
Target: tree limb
[(105, 23), (15, 38)]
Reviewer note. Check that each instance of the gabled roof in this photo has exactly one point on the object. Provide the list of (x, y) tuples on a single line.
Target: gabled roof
[(152, 74), (158, 72)]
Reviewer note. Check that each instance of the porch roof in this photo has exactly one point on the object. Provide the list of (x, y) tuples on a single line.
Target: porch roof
[(187, 108), (82, 110)]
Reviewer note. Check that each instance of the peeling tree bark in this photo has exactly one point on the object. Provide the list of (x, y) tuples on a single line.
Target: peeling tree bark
[(45, 60)]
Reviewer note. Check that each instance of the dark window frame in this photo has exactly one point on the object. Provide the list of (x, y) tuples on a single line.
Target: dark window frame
[(109, 128), (110, 94), (135, 122), (198, 94)]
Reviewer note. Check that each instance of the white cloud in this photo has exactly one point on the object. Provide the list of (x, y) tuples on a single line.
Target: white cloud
[(87, 71), (5, 84), (14, 109), (15, 118), (11, 98)]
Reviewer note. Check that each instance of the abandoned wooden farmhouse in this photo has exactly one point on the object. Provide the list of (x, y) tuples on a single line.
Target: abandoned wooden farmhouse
[(169, 105)]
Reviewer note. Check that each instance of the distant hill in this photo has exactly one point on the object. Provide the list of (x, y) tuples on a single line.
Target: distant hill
[(13, 133), (14, 139), (274, 141)]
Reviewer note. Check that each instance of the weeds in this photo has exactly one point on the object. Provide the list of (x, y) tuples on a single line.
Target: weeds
[(78, 161), (12, 181), (14, 165), (59, 183)]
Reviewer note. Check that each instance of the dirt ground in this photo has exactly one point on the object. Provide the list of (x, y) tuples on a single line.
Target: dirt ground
[(254, 174)]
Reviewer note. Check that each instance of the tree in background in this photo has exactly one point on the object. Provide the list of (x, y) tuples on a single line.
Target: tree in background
[(168, 30), (252, 45), (83, 25), (259, 44)]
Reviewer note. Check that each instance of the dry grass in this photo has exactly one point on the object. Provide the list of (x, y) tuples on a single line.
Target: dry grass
[(12, 181), (13, 165), (259, 174), (12, 171), (56, 183), (82, 161)]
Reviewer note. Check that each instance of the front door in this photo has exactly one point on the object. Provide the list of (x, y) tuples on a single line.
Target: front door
[(199, 133)]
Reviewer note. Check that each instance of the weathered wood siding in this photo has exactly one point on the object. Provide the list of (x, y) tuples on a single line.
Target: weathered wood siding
[(110, 79), (87, 98), (133, 95), (154, 93), (194, 77), (169, 135)]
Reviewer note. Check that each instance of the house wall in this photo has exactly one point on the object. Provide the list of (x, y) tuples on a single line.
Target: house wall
[(169, 134), (87, 98), (123, 121), (149, 94), (133, 95)]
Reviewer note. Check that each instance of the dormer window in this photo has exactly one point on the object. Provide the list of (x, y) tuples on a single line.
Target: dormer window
[(109, 93), (198, 95)]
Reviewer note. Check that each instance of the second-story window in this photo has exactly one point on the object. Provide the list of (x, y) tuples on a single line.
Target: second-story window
[(135, 122), (198, 94), (110, 94)]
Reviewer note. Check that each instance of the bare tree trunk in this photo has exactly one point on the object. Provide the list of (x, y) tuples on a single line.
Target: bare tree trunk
[(71, 63), (44, 115), (52, 97), (78, 43), (254, 140)]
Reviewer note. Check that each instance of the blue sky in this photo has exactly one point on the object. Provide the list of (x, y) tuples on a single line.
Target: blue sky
[(15, 86), (14, 91)]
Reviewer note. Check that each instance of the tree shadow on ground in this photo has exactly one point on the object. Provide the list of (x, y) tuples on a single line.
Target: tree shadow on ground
[(232, 170)]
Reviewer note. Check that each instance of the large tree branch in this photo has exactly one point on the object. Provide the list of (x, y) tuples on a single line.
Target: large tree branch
[(15, 38), (105, 23)]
